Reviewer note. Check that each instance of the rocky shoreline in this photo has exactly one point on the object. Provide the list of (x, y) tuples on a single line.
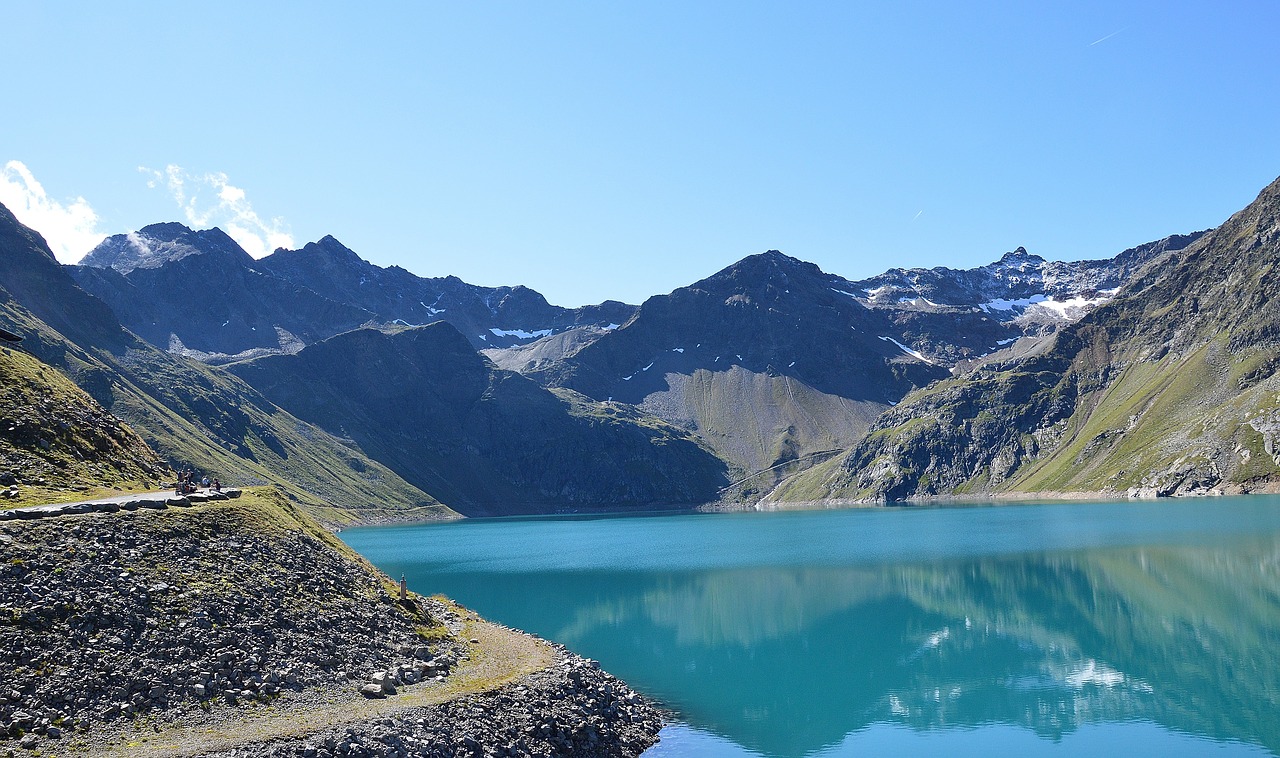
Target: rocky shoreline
[(571, 708), (150, 621)]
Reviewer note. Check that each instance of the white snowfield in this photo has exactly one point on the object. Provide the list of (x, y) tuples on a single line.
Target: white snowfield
[(521, 333), (1000, 304), (1061, 307)]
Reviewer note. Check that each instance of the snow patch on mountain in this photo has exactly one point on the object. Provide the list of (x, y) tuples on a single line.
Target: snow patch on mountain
[(521, 333), (1002, 304), (913, 353)]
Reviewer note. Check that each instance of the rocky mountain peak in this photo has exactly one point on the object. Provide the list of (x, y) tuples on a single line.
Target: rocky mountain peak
[(768, 269), (165, 231), (1019, 256), (327, 250), (155, 245)]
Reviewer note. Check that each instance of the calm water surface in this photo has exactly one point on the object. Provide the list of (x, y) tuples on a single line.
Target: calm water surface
[(1058, 629)]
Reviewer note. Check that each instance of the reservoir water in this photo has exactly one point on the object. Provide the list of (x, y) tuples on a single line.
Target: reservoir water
[(1138, 629)]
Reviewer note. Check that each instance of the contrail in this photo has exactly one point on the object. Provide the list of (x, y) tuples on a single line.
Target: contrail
[(913, 218), (1104, 39)]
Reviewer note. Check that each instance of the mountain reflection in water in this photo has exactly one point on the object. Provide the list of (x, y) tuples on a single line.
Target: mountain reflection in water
[(1175, 623)]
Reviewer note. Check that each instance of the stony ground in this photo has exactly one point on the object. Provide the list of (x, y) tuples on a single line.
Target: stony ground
[(224, 625)]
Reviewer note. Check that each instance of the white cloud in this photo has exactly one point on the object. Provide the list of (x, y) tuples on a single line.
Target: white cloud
[(70, 228), (210, 200)]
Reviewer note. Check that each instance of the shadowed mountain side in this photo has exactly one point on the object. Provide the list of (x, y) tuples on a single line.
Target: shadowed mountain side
[(33, 277), (189, 413), (483, 440), (768, 312), (1171, 387)]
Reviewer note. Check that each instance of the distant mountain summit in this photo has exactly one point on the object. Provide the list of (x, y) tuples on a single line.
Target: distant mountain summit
[(486, 316), (769, 360), (155, 245), (199, 294)]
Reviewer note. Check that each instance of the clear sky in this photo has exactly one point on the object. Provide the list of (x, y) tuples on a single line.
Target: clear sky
[(601, 150)]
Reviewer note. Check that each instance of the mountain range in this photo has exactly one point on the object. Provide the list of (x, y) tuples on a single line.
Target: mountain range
[(1171, 387), (376, 390)]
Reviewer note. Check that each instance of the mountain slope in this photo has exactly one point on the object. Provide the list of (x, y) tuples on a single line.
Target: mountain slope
[(54, 437), (769, 361), (483, 440), (189, 413), (1169, 388)]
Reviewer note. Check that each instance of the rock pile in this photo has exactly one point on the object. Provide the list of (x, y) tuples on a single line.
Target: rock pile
[(572, 708), (110, 616)]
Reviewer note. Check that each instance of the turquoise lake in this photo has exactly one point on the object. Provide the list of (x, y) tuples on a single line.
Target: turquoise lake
[(1148, 628)]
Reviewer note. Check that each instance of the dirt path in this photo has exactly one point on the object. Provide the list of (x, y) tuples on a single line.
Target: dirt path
[(498, 657)]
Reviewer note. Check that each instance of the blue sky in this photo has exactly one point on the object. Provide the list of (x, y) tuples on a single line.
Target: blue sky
[(609, 150)]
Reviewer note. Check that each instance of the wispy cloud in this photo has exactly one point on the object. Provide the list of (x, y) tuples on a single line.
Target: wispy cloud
[(211, 200), (70, 228)]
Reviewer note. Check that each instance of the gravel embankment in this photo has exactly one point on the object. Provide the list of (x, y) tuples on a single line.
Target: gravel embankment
[(119, 624)]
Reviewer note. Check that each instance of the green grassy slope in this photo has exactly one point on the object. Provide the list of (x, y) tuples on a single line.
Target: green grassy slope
[(56, 442)]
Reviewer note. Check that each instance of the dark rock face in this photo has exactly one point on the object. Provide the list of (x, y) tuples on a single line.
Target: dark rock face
[(769, 360), (482, 440), (30, 274)]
